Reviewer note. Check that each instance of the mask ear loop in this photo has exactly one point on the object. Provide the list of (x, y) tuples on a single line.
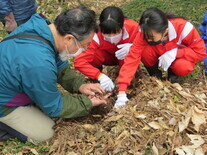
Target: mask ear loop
[(76, 42), (67, 52)]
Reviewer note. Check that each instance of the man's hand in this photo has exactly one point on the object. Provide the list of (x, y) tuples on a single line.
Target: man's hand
[(91, 89), (123, 50), (98, 100), (10, 24), (106, 82), (121, 100)]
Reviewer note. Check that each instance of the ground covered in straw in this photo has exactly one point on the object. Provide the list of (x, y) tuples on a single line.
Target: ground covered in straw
[(161, 118)]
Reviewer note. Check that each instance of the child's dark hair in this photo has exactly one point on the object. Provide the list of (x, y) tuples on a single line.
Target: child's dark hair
[(111, 20), (154, 19)]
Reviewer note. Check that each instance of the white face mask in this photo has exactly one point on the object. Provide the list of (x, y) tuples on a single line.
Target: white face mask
[(114, 39), (79, 51), (65, 55)]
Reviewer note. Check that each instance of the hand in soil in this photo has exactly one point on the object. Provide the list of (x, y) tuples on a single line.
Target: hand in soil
[(99, 99)]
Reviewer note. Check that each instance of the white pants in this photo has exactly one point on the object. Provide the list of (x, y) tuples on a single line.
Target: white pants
[(31, 122)]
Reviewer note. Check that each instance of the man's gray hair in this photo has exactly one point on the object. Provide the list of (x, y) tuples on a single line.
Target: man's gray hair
[(79, 22)]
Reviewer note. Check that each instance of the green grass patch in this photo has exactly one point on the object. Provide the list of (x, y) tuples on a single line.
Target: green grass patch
[(190, 9), (3, 33), (14, 146)]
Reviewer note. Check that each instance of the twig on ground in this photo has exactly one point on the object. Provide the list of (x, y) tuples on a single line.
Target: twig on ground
[(173, 142), (204, 76)]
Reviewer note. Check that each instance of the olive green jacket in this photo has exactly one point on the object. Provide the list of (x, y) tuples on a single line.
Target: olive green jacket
[(73, 106)]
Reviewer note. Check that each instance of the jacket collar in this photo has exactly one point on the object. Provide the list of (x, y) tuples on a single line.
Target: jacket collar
[(125, 34), (171, 33)]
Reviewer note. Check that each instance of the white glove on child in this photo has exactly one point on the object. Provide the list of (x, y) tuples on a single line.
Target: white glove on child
[(123, 51), (121, 100), (167, 58), (106, 82)]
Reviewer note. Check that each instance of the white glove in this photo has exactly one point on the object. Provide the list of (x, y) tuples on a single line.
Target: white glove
[(121, 100), (123, 51), (167, 58), (10, 24), (106, 82)]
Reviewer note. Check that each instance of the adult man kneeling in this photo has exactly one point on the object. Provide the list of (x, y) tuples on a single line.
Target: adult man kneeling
[(33, 59)]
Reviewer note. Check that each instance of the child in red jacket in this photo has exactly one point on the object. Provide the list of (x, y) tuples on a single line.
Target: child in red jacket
[(108, 47), (164, 41)]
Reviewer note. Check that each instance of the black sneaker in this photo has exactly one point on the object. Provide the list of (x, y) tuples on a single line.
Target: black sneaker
[(172, 77), (154, 71)]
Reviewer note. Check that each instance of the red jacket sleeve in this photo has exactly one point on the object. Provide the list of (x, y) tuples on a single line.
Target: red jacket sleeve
[(83, 62), (131, 63), (194, 47)]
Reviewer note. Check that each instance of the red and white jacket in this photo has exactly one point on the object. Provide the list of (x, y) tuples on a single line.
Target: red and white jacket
[(82, 61), (181, 35)]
